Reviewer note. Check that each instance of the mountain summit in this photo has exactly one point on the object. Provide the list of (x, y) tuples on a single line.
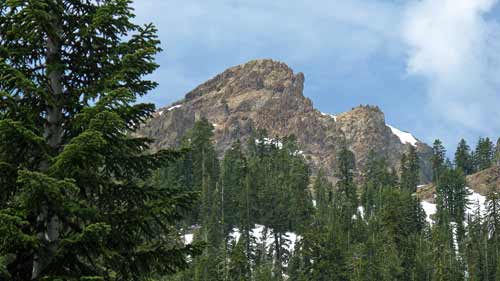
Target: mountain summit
[(266, 94)]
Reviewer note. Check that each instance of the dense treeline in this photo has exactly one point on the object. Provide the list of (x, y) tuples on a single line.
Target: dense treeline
[(263, 182), (368, 229), (485, 155), (82, 198)]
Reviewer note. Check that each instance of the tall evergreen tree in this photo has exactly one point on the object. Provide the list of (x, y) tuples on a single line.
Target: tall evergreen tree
[(377, 258), (452, 202), (410, 170), (484, 154), (376, 177), (493, 227), (232, 186), (239, 264), (76, 200), (497, 153), (324, 195), (347, 197), (203, 164), (475, 250), (438, 159), (463, 158)]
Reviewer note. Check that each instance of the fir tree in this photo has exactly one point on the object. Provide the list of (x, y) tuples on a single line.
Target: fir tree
[(239, 267), (76, 200), (377, 258), (493, 226), (376, 177), (497, 153), (438, 159), (475, 251), (484, 154), (410, 170), (324, 196), (347, 197), (232, 185), (203, 167), (452, 199), (463, 158)]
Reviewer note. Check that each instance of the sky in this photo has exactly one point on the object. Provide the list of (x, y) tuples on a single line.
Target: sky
[(432, 66)]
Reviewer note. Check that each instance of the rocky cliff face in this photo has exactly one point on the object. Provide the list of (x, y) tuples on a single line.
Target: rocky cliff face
[(266, 94), (482, 182)]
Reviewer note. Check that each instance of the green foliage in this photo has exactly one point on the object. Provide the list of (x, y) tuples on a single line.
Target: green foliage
[(410, 170), (463, 158), (484, 154), (497, 153), (78, 201), (438, 159)]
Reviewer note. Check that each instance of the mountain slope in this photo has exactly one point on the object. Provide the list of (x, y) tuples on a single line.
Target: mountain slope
[(265, 94)]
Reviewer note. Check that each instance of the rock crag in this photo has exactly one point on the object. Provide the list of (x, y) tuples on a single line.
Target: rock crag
[(265, 94)]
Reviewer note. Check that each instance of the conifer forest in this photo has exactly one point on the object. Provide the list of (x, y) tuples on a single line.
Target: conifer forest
[(85, 197)]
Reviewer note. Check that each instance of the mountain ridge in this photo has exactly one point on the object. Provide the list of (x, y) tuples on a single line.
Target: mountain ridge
[(267, 94)]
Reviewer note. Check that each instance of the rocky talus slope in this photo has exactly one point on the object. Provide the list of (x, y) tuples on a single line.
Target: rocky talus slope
[(265, 94)]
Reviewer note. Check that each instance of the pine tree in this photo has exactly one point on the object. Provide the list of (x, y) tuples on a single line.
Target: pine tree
[(232, 183), (377, 258), (452, 196), (463, 158), (324, 248), (239, 267), (76, 196), (347, 197), (323, 190), (438, 159), (376, 177), (410, 170), (203, 167), (497, 153), (475, 252), (493, 226), (484, 154)]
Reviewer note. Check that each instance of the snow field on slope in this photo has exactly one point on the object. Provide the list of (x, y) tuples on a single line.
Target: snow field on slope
[(404, 137), (260, 234), (474, 200), (330, 115)]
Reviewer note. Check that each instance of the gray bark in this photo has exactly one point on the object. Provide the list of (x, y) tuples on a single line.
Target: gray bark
[(53, 132)]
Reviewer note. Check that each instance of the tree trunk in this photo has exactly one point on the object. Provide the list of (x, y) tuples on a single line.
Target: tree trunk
[(49, 233)]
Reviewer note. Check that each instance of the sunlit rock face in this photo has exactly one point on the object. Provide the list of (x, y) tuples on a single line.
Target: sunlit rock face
[(265, 94)]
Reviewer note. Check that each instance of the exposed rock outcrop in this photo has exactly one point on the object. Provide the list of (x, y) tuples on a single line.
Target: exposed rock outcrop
[(265, 94), (482, 182)]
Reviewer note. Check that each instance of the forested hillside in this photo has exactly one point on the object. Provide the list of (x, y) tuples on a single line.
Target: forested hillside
[(262, 217), (84, 196)]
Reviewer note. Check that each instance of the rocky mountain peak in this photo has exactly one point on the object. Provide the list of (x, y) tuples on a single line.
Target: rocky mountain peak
[(256, 75), (266, 94)]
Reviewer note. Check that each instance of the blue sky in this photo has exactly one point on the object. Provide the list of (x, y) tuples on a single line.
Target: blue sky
[(433, 66)]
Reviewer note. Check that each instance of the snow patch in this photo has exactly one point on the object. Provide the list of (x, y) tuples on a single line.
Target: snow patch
[(174, 107), (475, 199), (330, 115), (263, 237), (404, 137), (188, 238), (430, 209), (270, 141), (261, 234), (361, 211)]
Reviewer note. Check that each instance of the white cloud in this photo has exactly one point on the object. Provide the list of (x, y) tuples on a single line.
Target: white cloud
[(449, 43), (456, 48), (334, 35)]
